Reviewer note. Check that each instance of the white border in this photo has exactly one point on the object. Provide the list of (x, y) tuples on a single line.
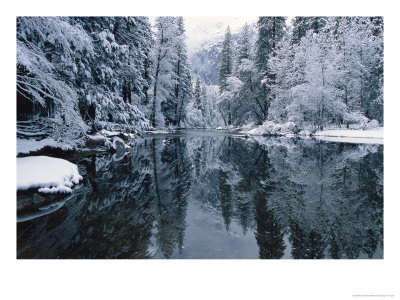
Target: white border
[(201, 279)]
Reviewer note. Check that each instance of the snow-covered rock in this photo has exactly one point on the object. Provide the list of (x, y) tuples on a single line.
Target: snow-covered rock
[(116, 144), (304, 133), (120, 134), (108, 133), (271, 128), (48, 174), (372, 124), (95, 140)]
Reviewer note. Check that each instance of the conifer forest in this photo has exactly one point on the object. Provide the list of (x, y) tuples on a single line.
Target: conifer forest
[(139, 138)]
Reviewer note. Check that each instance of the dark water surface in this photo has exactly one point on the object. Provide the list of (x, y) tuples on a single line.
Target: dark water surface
[(202, 195)]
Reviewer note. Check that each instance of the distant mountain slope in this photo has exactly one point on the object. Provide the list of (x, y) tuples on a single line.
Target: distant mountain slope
[(205, 61)]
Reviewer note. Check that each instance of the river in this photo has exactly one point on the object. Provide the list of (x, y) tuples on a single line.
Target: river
[(212, 194)]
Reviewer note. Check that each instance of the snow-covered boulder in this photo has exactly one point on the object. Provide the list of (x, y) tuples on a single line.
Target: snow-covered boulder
[(122, 135), (372, 124), (248, 127), (270, 128), (116, 145), (367, 124), (48, 174), (290, 128), (304, 133), (95, 140), (266, 128)]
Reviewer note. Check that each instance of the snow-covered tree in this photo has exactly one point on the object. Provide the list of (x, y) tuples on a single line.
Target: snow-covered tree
[(117, 81), (197, 95), (48, 56), (172, 86), (183, 88), (270, 32), (173, 107), (226, 64), (244, 45), (301, 25), (328, 70), (164, 58)]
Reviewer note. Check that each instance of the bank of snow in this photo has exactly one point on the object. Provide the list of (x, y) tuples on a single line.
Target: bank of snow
[(48, 174), (367, 133), (371, 136), (25, 146), (269, 128)]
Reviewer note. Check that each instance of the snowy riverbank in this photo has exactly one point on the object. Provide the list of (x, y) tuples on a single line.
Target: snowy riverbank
[(358, 136), (103, 139), (48, 174), (371, 136), (26, 146)]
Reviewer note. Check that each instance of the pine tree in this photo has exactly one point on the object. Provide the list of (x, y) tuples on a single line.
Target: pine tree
[(183, 88), (197, 95), (49, 51), (164, 59), (301, 25), (112, 87), (204, 103), (226, 65), (244, 51), (270, 32)]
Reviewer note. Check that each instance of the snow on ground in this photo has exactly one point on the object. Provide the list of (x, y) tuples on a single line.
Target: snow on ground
[(96, 137), (271, 128), (372, 136), (109, 133), (50, 175), (25, 146)]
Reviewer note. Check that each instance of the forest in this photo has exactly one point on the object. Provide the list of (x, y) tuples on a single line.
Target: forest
[(265, 141), (77, 76)]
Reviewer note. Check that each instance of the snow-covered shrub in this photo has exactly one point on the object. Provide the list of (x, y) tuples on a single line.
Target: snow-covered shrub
[(194, 116), (271, 128), (372, 124), (356, 118)]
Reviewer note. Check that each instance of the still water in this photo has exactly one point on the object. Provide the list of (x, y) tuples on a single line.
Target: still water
[(216, 195)]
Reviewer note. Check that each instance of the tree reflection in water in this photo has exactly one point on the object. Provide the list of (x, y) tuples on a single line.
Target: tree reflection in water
[(186, 196)]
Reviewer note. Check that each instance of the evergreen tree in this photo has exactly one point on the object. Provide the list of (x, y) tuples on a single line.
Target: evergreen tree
[(270, 32), (244, 51), (204, 103), (49, 51), (174, 105), (110, 93), (197, 95), (301, 25), (164, 58), (183, 88), (226, 65)]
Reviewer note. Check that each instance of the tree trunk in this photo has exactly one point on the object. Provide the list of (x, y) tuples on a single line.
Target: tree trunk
[(153, 111)]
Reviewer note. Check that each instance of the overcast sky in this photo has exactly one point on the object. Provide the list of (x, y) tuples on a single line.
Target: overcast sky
[(200, 29)]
